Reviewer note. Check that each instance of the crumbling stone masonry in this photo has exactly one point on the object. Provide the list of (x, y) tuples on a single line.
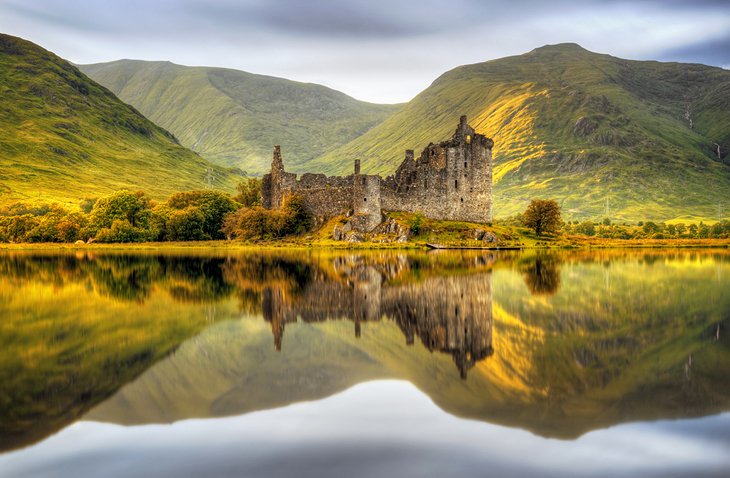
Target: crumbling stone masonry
[(451, 180)]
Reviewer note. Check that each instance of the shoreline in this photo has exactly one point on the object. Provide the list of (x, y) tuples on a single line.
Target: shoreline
[(587, 244)]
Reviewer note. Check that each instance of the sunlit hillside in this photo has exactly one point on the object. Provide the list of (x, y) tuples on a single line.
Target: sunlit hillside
[(63, 137), (633, 140)]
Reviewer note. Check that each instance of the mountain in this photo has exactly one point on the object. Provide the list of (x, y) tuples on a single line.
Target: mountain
[(234, 118), (638, 138), (63, 137)]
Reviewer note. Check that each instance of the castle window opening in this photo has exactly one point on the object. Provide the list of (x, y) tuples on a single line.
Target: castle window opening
[(468, 139), (364, 199), (456, 183), (462, 199), (465, 164)]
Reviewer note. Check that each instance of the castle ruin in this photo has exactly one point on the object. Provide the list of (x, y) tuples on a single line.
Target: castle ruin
[(450, 180)]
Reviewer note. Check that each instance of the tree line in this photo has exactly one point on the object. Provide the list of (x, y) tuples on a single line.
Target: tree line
[(128, 216), (544, 217)]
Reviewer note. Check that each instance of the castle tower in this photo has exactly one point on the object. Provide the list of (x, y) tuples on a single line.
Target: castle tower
[(365, 200)]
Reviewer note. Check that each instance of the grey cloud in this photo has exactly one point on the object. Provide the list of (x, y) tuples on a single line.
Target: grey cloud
[(714, 52)]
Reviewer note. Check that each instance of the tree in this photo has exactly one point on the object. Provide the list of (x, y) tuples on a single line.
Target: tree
[(186, 225), (297, 219), (249, 192), (213, 205), (587, 228), (543, 215), (134, 208)]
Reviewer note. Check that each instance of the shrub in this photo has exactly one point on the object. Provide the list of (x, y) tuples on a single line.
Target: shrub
[(296, 218), (259, 223), (416, 224)]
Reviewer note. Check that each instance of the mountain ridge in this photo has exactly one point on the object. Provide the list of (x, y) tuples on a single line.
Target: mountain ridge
[(233, 117)]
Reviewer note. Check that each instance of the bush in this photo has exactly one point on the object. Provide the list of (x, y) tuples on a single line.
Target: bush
[(296, 218), (250, 223), (416, 224), (259, 223)]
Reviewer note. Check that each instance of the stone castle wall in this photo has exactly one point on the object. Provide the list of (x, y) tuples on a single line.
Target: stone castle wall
[(451, 180)]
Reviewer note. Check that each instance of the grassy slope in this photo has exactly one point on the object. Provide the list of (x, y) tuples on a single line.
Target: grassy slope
[(63, 137), (643, 156), (234, 118)]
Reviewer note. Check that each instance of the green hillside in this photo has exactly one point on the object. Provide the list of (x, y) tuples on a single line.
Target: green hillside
[(63, 137), (233, 118), (578, 126)]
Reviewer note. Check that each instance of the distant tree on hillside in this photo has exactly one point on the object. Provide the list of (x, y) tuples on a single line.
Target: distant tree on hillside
[(543, 215)]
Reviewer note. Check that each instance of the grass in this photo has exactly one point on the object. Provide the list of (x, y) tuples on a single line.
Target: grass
[(638, 153), (63, 137), (234, 118)]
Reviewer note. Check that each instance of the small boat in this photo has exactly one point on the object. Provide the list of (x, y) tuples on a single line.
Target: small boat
[(487, 248)]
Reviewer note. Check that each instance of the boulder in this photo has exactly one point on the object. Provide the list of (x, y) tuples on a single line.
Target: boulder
[(489, 237)]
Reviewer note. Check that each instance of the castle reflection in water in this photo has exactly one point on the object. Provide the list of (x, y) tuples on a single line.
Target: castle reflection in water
[(448, 313)]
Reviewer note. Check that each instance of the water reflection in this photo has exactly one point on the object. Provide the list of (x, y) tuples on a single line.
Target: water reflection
[(555, 343), (450, 314)]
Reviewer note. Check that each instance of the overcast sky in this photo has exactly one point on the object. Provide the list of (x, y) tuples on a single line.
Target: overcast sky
[(375, 50)]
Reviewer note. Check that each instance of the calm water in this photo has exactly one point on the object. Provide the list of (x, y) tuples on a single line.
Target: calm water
[(611, 363)]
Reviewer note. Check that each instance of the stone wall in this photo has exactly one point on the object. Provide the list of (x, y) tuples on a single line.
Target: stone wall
[(450, 180), (324, 196)]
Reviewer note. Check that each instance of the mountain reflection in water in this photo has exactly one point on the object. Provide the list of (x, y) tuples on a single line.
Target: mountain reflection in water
[(559, 344)]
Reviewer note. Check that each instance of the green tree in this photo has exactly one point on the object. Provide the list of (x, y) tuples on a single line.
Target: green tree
[(213, 205), (543, 215), (186, 225), (650, 227), (134, 208), (297, 218), (587, 228), (121, 230), (249, 192)]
